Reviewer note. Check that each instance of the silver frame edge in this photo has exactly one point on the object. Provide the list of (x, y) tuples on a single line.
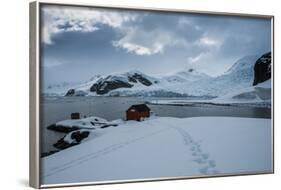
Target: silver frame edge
[(34, 135)]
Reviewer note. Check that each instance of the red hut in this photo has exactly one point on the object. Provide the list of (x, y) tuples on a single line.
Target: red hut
[(138, 112), (75, 115)]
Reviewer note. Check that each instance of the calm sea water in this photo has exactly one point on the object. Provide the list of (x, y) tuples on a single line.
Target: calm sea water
[(55, 109)]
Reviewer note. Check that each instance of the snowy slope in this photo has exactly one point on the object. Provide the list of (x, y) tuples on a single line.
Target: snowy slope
[(57, 89), (190, 75), (239, 76), (258, 93), (165, 147), (253, 96), (61, 89)]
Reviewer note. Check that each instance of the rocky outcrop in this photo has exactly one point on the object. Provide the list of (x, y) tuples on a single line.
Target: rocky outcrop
[(70, 92), (44, 154), (61, 128), (73, 92), (104, 86), (61, 144), (71, 139), (138, 77), (262, 69), (78, 136)]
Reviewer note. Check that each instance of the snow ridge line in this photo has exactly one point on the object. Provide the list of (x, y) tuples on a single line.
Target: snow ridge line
[(96, 154), (208, 166)]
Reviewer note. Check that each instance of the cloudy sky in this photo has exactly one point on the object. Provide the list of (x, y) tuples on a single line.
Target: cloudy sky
[(77, 43)]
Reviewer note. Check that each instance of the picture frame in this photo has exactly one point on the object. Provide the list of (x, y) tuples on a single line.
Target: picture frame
[(265, 108)]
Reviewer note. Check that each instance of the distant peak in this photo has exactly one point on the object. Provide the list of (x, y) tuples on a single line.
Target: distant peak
[(244, 62), (134, 71), (94, 77)]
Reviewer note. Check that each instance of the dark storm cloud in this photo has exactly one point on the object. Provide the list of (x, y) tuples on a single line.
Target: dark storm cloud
[(78, 43), (250, 36)]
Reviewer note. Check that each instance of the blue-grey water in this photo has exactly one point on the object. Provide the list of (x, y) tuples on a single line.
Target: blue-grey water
[(54, 109)]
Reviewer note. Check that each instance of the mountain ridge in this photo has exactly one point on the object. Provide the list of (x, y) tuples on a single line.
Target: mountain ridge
[(179, 84)]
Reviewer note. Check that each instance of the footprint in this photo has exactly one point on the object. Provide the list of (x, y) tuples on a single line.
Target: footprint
[(205, 156), (196, 144), (194, 154), (192, 148), (200, 161), (215, 172), (204, 170), (198, 150), (212, 163)]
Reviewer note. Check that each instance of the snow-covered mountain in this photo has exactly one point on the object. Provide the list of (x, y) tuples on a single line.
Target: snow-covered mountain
[(190, 75), (136, 83), (127, 80), (57, 89), (180, 84), (239, 76)]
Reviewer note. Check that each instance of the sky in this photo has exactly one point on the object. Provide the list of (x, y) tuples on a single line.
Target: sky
[(80, 42)]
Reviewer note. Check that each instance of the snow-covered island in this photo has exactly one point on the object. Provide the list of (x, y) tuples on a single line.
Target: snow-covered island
[(160, 147)]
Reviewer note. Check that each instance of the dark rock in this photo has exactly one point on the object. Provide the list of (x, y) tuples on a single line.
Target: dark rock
[(61, 144), (73, 92), (78, 136), (70, 92), (142, 79), (108, 125), (61, 128), (44, 154), (94, 87), (103, 87), (132, 79), (262, 69)]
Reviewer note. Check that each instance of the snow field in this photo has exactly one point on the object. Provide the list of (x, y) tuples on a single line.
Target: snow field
[(162, 147)]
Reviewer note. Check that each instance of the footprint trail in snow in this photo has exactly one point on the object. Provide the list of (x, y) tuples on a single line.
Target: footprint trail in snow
[(207, 165)]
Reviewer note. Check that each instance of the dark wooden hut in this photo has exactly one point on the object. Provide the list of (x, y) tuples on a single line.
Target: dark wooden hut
[(75, 115), (138, 112)]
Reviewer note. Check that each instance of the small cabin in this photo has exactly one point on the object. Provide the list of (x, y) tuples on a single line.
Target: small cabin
[(138, 112), (75, 115)]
